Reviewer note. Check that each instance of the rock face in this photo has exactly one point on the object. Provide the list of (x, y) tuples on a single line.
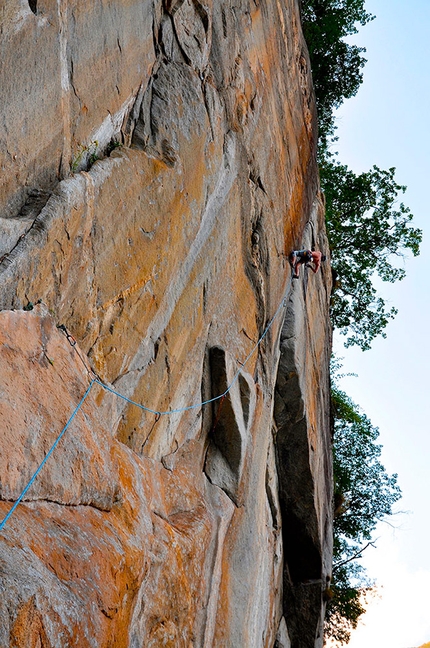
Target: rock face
[(156, 272)]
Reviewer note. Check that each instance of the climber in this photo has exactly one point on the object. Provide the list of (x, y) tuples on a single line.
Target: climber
[(306, 257)]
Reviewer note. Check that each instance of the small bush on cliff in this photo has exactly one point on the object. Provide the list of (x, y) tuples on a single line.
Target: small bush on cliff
[(364, 494)]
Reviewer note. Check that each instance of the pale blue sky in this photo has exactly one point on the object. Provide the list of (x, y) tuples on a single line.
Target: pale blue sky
[(387, 124)]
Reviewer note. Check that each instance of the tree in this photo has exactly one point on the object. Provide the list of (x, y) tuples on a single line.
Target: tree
[(367, 229), (364, 227), (345, 607), (363, 495), (336, 65)]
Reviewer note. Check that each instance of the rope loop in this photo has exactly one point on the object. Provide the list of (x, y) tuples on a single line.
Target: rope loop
[(158, 414)]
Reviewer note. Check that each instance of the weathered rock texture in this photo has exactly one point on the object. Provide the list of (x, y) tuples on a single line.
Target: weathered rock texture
[(166, 259)]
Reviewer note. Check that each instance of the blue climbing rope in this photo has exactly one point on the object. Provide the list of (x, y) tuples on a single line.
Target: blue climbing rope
[(143, 407), (49, 453), (210, 400)]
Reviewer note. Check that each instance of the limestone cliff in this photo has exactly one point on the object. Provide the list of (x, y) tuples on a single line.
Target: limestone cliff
[(157, 166)]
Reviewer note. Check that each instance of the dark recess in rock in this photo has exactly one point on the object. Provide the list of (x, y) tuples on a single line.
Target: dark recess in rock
[(225, 434)]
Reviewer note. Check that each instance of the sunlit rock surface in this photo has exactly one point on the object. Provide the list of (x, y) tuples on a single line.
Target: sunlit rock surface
[(165, 259)]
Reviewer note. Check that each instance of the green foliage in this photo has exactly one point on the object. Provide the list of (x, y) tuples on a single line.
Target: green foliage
[(336, 64), (367, 229), (85, 157), (346, 605), (113, 144), (363, 495), (364, 226), (368, 492)]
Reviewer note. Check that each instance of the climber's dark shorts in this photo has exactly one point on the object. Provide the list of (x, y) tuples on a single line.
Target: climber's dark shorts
[(304, 256)]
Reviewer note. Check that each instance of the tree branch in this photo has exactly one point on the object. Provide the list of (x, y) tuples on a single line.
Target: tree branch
[(356, 555)]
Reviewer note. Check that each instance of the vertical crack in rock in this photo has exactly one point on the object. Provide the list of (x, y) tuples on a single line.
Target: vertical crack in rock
[(66, 154), (303, 449), (232, 415), (272, 489)]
